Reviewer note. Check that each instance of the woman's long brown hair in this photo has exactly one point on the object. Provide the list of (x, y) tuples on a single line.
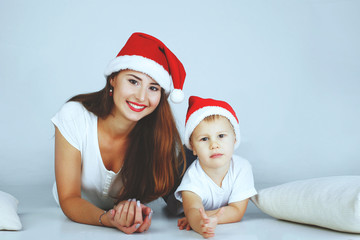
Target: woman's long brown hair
[(155, 151)]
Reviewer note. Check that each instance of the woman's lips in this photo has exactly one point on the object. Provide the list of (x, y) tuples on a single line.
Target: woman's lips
[(136, 107)]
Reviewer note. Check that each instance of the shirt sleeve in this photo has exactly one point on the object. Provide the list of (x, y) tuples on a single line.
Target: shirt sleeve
[(244, 181), (190, 183), (71, 122)]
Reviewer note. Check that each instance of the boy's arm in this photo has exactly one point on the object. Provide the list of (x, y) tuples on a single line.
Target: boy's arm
[(196, 216), (191, 204), (233, 212)]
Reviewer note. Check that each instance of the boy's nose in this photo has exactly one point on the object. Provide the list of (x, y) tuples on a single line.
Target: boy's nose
[(214, 145)]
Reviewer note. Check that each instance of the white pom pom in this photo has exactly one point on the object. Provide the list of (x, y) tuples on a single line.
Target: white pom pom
[(177, 96)]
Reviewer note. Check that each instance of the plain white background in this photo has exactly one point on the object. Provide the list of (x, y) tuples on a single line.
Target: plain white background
[(290, 69)]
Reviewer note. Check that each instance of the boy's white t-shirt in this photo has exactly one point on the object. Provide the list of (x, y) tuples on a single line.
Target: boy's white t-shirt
[(79, 128), (238, 184)]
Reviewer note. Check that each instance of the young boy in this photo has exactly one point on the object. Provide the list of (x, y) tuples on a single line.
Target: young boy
[(217, 185)]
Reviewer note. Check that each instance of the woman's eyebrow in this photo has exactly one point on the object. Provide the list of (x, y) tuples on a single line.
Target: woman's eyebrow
[(132, 75)]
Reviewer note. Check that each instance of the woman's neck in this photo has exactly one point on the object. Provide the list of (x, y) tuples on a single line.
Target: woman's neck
[(113, 141), (116, 127)]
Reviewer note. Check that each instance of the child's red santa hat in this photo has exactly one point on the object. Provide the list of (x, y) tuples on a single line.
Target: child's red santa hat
[(147, 54), (200, 108)]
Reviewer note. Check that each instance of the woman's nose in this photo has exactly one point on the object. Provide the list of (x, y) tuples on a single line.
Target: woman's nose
[(141, 94)]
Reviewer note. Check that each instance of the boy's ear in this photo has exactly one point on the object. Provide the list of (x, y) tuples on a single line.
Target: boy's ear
[(194, 153), (193, 150)]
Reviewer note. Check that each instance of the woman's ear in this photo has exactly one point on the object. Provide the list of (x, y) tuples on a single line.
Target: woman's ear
[(111, 82)]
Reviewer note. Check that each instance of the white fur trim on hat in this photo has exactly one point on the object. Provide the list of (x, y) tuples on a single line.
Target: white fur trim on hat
[(141, 64), (177, 96), (196, 117)]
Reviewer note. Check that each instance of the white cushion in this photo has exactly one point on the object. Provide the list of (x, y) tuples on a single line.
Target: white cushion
[(330, 202), (9, 219)]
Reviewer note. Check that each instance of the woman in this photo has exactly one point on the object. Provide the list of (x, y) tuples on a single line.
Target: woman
[(119, 146)]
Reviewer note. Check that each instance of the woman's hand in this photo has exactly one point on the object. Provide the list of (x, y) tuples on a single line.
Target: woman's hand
[(130, 216), (126, 216), (147, 215)]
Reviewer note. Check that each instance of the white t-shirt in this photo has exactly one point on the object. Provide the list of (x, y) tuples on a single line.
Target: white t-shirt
[(79, 127), (237, 185)]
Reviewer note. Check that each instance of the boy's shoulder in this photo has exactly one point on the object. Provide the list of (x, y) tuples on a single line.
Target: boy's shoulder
[(194, 167)]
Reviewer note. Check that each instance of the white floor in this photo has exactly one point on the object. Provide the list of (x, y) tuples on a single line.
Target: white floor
[(42, 219)]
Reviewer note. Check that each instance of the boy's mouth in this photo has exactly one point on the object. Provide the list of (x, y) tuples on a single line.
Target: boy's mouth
[(216, 155)]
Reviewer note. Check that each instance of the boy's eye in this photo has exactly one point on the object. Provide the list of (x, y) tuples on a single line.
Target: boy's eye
[(204, 139)]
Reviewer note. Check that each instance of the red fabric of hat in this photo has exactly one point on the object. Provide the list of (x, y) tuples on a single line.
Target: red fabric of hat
[(200, 108)]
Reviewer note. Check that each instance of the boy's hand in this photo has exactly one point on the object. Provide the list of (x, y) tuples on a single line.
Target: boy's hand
[(184, 224), (208, 224)]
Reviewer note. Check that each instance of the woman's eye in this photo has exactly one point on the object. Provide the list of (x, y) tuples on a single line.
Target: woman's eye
[(154, 89), (221, 135), (204, 139), (134, 82)]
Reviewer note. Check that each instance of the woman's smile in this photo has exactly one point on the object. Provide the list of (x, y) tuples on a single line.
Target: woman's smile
[(136, 107)]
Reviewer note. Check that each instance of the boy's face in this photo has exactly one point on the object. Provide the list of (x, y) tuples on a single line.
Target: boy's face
[(213, 142)]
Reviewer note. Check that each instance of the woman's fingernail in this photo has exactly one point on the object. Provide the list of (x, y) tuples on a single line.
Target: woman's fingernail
[(134, 199), (129, 199), (137, 226), (150, 214), (138, 203)]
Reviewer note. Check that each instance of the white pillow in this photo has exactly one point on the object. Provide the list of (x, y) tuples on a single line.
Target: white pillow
[(9, 219), (330, 202)]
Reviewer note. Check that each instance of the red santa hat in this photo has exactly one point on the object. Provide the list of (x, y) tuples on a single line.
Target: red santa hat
[(147, 54), (200, 108)]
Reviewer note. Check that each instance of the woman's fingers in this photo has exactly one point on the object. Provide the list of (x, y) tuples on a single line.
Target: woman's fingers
[(145, 210), (146, 223), (125, 213), (130, 216), (130, 213), (138, 218), (118, 213)]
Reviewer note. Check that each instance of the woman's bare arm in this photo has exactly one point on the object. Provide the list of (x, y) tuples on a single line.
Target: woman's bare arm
[(68, 181), (127, 216)]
